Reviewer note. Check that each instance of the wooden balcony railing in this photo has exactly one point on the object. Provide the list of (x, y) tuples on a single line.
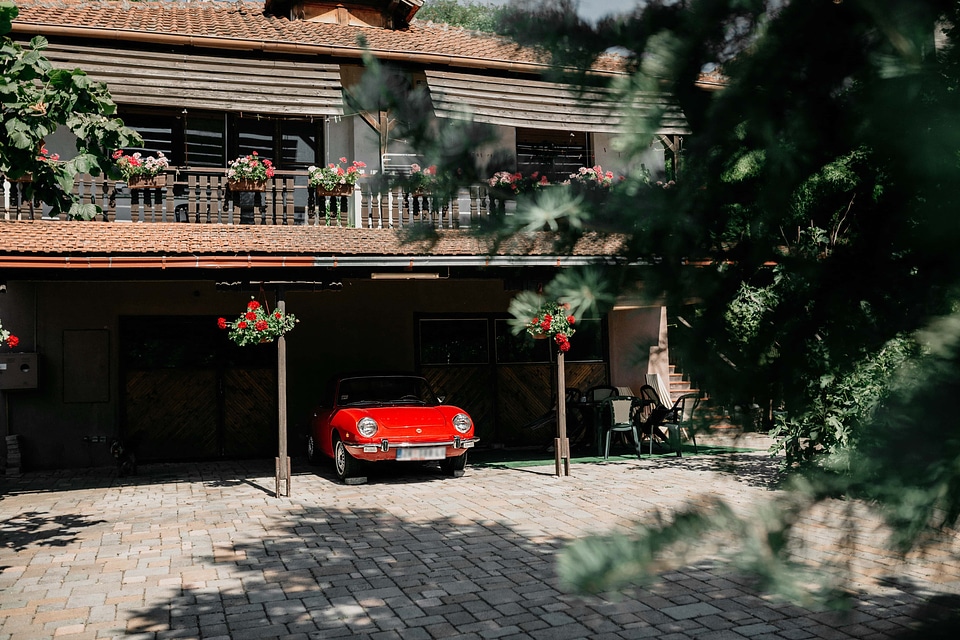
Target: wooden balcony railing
[(203, 197)]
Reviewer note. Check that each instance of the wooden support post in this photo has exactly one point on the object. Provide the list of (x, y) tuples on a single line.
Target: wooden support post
[(283, 460), (562, 443)]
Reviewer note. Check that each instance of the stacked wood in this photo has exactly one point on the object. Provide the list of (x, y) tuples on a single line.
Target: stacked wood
[(13, 455)]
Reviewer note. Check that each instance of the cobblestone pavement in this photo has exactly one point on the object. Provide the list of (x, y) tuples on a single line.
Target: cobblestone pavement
[(207, 551)]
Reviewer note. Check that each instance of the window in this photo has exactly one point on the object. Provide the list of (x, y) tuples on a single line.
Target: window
[(205, 142), (254, 134), (454, 341), (554, 153), (210, 139), (291, 144), (158, 132), (299, 142), (586, 345), (518, 348)]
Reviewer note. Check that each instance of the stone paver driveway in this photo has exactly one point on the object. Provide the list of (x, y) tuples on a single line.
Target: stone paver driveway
[(207, 551)]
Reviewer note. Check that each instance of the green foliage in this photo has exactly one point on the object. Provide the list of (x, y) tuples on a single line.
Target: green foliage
[(477, 16), (36, 100), (815, 225)]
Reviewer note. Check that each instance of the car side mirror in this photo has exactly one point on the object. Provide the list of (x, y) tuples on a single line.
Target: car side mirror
[(441, 397)]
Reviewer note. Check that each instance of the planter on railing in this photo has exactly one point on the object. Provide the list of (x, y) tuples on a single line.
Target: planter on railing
[(247, 185), (339, 191), (27, 177), (147, 182)]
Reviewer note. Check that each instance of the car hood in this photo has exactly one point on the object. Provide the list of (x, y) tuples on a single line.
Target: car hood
[(406, 417)]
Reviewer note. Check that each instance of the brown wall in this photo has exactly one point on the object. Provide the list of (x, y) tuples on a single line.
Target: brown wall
[(76, 410)]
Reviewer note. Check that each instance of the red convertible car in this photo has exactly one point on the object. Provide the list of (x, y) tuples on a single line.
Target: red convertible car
[(368, 418)]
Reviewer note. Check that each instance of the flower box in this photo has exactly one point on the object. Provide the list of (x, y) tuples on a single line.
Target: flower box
[(333, 179), (247, 185), (340, 190), (147, 182), (27, 177)]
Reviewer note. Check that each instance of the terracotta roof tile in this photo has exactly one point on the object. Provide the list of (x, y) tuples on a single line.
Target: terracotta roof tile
[(25, 238), (247, 21)]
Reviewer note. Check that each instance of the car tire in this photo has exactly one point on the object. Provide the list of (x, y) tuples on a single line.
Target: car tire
[(311, 450), (346, 466), (454, 466)]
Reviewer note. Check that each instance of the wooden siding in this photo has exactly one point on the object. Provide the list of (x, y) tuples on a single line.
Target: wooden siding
[(471, 389), (242, 84), (176, 414), (171, 414), (543, 105), (502, 400)]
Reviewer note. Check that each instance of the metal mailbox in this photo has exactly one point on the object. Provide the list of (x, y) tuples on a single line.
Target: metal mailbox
[(18, 371)]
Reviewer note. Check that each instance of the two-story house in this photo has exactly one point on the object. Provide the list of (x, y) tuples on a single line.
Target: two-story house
[(117, 316)]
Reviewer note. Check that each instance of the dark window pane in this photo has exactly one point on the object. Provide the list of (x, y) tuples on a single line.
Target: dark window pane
[(587, 343), (298, 143), (157, 132), (554, 153), (256, 135), (206, 142), (454, 341), (519, 348)]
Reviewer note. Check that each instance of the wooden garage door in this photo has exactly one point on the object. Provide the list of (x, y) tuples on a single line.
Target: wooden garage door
[(191, 394)]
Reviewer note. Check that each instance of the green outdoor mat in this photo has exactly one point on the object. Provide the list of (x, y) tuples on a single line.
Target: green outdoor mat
[(513, 458)]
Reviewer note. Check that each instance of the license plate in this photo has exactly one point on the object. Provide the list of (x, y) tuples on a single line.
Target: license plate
[(422, 453)]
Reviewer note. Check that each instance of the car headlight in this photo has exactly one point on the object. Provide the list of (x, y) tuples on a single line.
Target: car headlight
[(367, 427), (462, 422)]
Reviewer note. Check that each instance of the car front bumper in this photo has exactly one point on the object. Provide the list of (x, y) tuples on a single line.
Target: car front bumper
[(386, 450)]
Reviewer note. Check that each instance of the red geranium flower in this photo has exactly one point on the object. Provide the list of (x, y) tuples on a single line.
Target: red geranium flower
[(250, 315), (253, 305), (261, 325), (13, 341), (222, 323), (241, 325)]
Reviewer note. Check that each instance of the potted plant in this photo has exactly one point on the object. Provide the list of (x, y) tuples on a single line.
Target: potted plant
[(142, 172), (421, 181), (592, 177), (249, 173), (257, 324), (8, 338), (553, 320), (516, 183), (334, 179)]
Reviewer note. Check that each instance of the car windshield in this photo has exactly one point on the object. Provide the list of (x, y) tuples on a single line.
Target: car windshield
[(384, 390)]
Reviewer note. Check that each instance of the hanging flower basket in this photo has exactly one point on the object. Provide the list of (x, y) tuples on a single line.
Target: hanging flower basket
[(7, 338), (146, 182), (247, 185), (257, 324), (553, 320)]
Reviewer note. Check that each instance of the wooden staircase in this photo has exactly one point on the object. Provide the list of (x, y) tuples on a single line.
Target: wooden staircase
[(678, 384)]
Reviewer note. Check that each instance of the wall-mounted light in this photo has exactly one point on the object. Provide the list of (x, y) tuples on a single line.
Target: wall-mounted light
[(400, 275)]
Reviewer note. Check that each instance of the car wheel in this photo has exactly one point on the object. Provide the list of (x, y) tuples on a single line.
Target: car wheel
[(454, 466), (346, 465), (311, 450)]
